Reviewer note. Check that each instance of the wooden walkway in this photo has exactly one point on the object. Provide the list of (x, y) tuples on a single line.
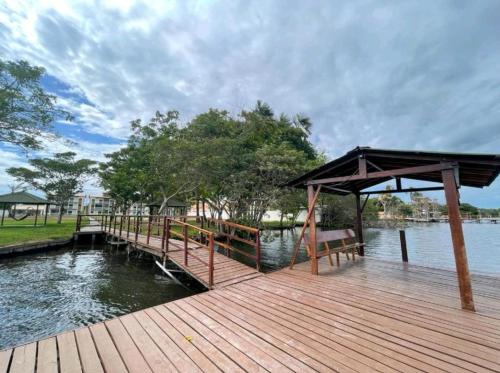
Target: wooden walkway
[(227, 271), (369, 315)]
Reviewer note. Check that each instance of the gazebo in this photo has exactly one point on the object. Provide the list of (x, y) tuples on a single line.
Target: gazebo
[(363, 168), (24, 198)]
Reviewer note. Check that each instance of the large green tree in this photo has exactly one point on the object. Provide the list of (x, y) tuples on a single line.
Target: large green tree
[(59, 177), (236, 165), (27, 112)]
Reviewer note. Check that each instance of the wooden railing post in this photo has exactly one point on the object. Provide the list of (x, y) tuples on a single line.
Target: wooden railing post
[(167, 234), (211, 261), (136, 228), (128, 226), (102, 223), (78, 222), (185, 231), (162, 236), (121, 225), (149, 229), (257, 250), (114, 224)]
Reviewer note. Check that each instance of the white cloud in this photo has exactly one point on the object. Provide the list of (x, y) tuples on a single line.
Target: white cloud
[(413, 74)]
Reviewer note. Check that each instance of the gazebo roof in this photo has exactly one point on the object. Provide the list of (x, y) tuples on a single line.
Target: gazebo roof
[(344, 175), (23, 197)]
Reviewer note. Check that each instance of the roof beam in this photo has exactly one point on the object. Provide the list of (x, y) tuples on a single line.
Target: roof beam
[(387, 191), (387, 173)]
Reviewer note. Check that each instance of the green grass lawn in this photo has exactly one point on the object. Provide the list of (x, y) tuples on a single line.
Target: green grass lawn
[(14, 232)]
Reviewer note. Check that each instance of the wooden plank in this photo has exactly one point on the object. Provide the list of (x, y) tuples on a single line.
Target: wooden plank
[(109, 355), (210, 359), (5, 356), (23, 359), (130, 354), (69, 360), (153, 355), (152, 324), (47, 356), (88, 353), (230, 329), (194, 327), (163, 320)]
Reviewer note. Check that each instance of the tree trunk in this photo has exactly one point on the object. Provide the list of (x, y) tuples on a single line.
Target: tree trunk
[(60, 215)]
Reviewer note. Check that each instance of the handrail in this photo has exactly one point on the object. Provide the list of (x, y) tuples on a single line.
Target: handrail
[(164, 228)]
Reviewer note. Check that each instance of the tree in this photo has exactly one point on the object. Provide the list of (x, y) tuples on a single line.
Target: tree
[(60, 177), (27, 112)]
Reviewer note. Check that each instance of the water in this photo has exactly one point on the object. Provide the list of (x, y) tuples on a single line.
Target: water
[(43, 294), (428, 244)]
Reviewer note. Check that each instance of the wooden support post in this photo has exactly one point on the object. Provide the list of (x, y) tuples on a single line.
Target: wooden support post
[(457, 237), (185, 232), (36, 214), (46, 213), (311, 201), (257, 250), (167, 234), (149, 229), (211, 260), (303, 230), (359, 224), (114, 224), (121, 226), (128, 226), (404, 251), (136, 228), (78, 220)]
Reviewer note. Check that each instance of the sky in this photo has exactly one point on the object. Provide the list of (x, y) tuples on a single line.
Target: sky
[(405, 75)]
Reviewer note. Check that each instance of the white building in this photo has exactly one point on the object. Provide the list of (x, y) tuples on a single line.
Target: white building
[(86, 204)]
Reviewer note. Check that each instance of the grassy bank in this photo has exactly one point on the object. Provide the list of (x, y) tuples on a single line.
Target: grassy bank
[(14, 232)]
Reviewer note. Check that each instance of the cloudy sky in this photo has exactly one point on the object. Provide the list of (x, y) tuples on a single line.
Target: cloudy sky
[(407, 75)]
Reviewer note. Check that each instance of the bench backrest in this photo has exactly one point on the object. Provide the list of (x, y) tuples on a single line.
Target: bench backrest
[(336, 235)]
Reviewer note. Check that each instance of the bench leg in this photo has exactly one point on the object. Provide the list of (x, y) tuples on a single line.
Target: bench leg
[(347, 255), (327, 248), (338, 259), (353, 254)]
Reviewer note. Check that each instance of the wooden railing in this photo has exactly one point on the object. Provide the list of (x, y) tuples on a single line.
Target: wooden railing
[(202, 233)]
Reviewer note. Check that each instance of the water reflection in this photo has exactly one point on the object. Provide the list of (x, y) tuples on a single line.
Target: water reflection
[(47, 293)]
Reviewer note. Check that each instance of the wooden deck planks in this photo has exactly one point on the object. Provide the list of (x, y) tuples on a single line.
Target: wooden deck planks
[(367, 316)]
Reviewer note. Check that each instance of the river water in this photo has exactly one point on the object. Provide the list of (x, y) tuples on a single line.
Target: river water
[(428, 244), (43, 294)]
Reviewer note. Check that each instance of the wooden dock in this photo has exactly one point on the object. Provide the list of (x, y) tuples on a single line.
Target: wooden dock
[(369, 315)]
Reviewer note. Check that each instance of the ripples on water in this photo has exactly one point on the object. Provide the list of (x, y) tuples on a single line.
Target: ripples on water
[(43, 294)]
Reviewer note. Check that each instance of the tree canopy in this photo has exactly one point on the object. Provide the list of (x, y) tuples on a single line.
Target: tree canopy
[(236, 165), (27, 112), (59, 177)]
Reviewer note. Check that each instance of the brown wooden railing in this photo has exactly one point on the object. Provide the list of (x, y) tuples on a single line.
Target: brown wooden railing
[(143, 229)]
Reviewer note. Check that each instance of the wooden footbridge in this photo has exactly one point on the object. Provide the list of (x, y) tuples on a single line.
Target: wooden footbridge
[(192, 247)]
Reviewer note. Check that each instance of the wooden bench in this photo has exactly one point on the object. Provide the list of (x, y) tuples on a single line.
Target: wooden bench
[(348, 244)]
